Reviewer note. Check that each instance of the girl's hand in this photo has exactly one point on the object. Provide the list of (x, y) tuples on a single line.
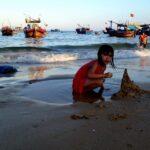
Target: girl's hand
[(108, 75)]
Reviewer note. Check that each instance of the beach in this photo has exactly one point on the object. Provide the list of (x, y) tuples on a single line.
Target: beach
[(28, 123), (38, 110), (52, 50)]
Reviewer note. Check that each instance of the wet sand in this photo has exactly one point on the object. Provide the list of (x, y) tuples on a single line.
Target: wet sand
[(28, 123)]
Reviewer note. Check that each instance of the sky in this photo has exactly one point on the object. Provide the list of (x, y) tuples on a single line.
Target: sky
[(66, 14)]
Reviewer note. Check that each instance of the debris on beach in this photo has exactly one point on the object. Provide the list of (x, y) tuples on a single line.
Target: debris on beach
[(117, 116), (3, 104), (76, 117), (101, 106), (129, 145), (128, 89), (128, 127), (1, 87), (89, 113), (35, 125)]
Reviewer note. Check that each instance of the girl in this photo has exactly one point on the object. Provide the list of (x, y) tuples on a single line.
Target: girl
[(91, 75)]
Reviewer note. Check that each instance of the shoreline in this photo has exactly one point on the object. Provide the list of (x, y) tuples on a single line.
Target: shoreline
[(28, 124)]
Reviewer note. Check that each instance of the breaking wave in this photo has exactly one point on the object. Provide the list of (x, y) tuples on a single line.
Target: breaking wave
[(116, 46)]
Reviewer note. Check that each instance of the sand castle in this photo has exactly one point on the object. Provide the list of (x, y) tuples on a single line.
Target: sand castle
[(128, 89)]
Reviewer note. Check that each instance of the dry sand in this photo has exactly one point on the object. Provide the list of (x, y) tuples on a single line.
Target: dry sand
[(30, 124)]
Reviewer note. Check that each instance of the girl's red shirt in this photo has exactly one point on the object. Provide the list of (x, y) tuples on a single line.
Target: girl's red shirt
[(82, 75)]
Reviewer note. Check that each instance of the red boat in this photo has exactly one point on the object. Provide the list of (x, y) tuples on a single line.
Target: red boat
[(35, 33), (33, 29), (125, 33), (7, 31)]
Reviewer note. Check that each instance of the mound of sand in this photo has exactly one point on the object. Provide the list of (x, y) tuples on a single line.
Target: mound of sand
[(128, 89)]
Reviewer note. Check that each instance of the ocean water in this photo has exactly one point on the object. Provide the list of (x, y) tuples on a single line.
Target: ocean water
[(60, 54)]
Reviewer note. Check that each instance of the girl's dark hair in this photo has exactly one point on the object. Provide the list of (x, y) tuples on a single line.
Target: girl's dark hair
[(106, 50)]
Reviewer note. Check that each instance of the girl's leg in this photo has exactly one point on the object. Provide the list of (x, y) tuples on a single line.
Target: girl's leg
[(92, 84)]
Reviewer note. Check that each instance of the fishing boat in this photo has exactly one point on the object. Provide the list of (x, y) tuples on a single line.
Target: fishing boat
[(145, 28), (125, 33), (83, 30), (122, 30), (7, 31), (55, 30), (33, 29), (109, 29), (17, 29)]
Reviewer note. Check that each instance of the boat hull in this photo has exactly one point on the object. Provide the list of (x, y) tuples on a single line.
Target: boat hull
[(83, 31), (7, 32), (38, 34), (33, 33), (124, 34)]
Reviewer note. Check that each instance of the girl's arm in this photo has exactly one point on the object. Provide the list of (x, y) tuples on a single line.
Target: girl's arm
[(93, 75)]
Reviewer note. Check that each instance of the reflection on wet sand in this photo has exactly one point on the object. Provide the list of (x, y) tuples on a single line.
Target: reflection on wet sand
[(37, 72), (144, 61), (89, 97)]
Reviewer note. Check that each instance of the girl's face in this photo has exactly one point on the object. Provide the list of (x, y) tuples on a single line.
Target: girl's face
[(106, 59)]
